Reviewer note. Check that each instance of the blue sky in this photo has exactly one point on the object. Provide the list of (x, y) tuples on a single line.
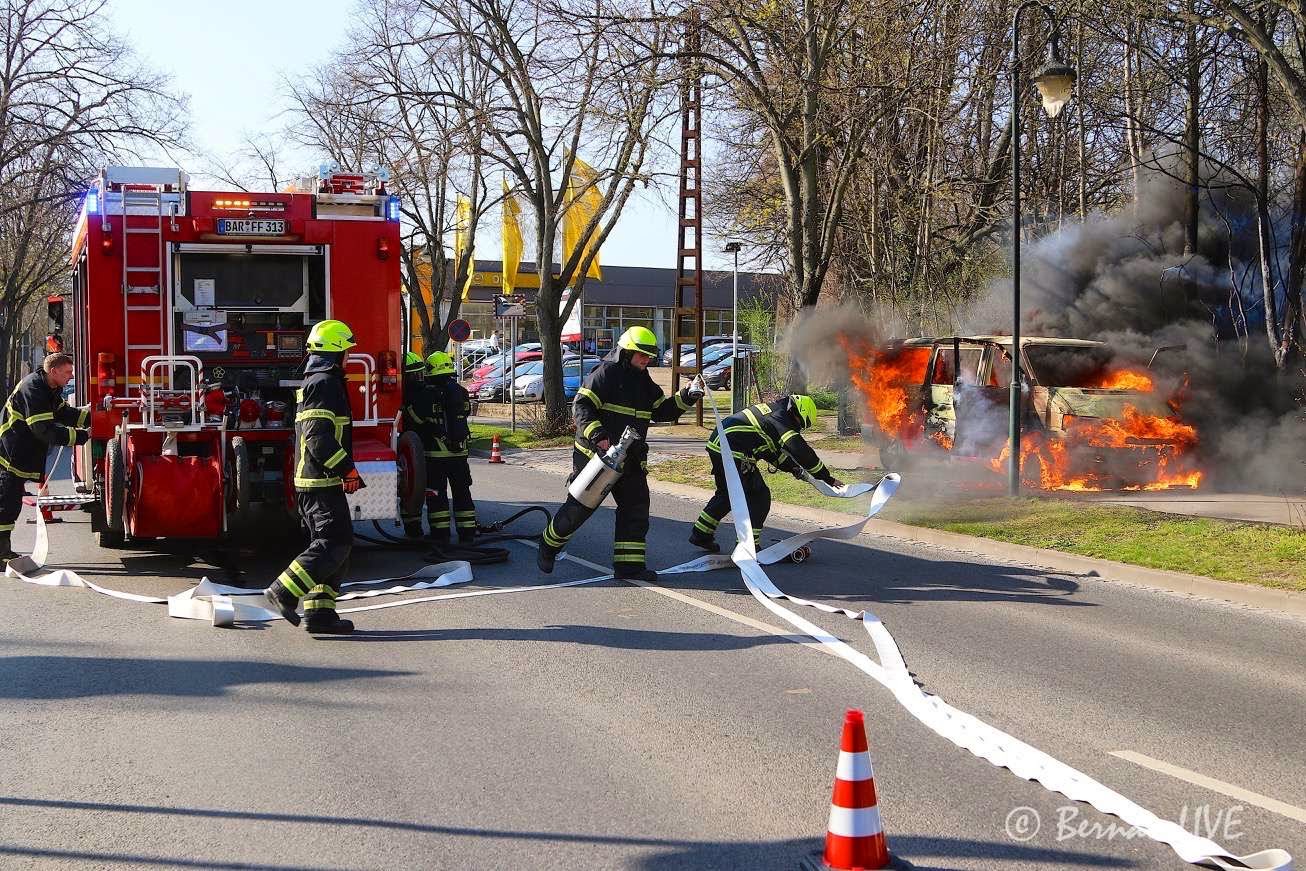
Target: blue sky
[(231, 58)]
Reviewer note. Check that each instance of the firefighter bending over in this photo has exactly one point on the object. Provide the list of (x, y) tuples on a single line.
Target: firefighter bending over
[(618, 394), (445, 441), (324, 473), (35, 418), (766, 432)]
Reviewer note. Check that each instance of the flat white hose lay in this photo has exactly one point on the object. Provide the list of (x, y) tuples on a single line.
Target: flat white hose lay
[(962, 729)]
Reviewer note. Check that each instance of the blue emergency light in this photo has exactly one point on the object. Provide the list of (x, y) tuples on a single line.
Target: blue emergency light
[(92, 202), (392, 209)]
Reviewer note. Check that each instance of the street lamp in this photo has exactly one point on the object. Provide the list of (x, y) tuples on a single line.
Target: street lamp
[(735, 404), (1055, 82)]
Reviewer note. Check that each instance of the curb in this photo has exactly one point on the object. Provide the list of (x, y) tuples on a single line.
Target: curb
[(1266, 598)]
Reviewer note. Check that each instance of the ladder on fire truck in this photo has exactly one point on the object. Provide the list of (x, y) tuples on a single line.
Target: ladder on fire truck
[(144, 285)]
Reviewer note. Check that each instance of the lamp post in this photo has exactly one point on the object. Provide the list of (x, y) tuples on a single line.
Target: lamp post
[(1055, 82), (735, 402)]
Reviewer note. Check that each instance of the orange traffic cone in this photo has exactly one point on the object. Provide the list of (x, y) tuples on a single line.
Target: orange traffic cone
[(495, 456), (854, 838)]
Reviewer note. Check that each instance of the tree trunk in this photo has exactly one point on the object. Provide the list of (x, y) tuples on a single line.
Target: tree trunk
[(1265, 230), (1289, 351), (1192, 138)]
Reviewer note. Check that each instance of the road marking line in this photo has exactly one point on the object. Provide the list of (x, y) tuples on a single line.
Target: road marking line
[(705, 606), (1197, 779)]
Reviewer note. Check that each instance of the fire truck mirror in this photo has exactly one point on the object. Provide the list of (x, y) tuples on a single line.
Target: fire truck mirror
[(55, 309)]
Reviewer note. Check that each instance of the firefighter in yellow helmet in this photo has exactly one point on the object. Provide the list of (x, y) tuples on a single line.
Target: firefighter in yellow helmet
[(324, 473), (415, 413), (769, 432), (617, 394), (446, 453)]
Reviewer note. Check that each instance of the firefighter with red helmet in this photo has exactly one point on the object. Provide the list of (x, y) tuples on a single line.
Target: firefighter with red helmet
[(769, 432), (324, 474), (618, 394), (35, 418), (446, 453)]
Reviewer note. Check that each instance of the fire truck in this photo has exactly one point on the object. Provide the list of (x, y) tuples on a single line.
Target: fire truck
[(189, 314)]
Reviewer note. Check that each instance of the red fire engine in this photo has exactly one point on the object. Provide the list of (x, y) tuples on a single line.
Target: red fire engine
[(189, 315)]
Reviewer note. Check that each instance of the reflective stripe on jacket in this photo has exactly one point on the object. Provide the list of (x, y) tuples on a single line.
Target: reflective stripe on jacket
[(36, 418), (767, 432), (323, 426), (617, 395)]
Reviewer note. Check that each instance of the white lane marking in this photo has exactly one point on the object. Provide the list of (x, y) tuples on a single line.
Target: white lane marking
[(742, 619), (1197, 779)]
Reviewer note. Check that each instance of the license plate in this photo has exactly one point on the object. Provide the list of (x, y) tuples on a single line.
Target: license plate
[(251, 227)]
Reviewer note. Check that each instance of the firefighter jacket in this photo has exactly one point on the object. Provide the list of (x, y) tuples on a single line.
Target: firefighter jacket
[(323, 426), (617, 395), (440, 417), (769, 432), (34, 419)]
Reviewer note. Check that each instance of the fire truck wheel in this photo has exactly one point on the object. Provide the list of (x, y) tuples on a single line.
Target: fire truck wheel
[(238, 477), (412, 474), (110, 509)]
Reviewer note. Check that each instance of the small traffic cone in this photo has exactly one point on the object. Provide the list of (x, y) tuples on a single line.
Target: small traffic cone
[(495, 456), (854, 837)]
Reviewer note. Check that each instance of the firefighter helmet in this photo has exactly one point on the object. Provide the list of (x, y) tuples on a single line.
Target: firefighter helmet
[(806, 408), (330, 336), (639, 339), (440, 363), (413, 364)]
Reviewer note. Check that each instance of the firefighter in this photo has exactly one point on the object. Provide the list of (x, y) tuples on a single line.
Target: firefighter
[(415, 411), (766, 432), (324, 473), (446, 455), (617, 394), (34, 418)]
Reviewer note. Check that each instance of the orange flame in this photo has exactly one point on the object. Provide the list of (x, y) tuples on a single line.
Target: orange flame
[(882, 377), (1125, 379)]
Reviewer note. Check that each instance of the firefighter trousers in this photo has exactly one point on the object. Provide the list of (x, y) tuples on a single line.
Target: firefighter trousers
[(631, 528), (756, 495), (315, 574), (452, 474), (11, 504)]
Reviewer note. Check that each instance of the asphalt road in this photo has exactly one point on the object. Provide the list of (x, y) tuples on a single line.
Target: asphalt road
[(610, 726)]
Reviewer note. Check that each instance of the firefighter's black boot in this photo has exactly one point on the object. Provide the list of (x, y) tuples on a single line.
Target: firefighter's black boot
[(325, 621), (701, 539), (282, 602), (6, 547), (629, 572), (413, 530), (546, 558)]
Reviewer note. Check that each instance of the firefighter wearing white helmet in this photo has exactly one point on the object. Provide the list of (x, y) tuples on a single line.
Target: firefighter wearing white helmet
[(616, 395), (769, 432), (324, 473), (445, 443)]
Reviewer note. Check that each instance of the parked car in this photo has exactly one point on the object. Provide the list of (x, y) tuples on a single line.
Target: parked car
[(530, 388), (717, 375), (667, 355), (713, 354), (494, 388)]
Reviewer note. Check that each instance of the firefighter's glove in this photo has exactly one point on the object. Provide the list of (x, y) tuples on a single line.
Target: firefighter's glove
[(602, 444), (353, 482), (835, 482)]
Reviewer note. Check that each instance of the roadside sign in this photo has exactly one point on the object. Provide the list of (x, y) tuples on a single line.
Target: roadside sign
[(459, 330), (510, 306)]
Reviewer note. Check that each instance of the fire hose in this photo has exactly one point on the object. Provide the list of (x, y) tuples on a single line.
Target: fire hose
[(222, 606)]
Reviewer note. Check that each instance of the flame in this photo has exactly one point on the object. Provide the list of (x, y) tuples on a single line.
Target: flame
[(1125, 379), (882, 377), (1136, 451)]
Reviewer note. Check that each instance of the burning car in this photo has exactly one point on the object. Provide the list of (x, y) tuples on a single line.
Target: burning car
[(1089, 423)]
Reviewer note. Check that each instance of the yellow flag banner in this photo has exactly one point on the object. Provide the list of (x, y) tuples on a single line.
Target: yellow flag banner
[(583, 203), (462, 231), (512, 244)]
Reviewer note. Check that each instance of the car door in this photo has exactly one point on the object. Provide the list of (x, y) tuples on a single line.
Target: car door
[(980, 402)]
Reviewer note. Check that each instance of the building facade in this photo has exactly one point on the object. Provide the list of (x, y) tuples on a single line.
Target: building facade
[(626, 296)]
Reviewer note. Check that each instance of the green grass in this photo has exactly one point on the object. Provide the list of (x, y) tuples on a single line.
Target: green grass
[(1246, 553), (482, 435), (845, 444)]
